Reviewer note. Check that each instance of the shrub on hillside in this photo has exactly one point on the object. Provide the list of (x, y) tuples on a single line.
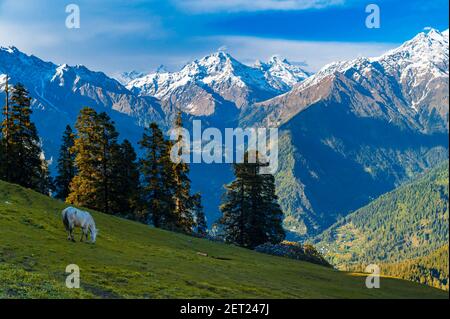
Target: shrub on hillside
[(294, 250)]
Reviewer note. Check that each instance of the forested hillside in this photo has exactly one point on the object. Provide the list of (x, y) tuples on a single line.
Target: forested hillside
[(409, 222), (431, 270)]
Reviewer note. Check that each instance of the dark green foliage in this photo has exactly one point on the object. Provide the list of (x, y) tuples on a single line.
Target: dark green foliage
[(23, 162), (157, 179), (201, 227), (166, 198), (5, 140), (126, 187), (66, 164), (182, 185), (251, 214)]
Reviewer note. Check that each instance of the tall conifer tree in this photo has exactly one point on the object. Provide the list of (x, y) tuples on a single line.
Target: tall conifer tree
[(96, 149), (25, 164), (5, 141), (125, 188), (251, 213), (109, 151), (182, 186), (201, 226), (157, 179), (84, 188), (66, 164)]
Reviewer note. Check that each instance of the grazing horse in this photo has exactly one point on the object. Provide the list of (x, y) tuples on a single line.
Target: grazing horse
[(73, 217)]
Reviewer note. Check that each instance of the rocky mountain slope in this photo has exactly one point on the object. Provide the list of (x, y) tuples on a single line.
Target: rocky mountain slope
[(407, 85), (359, 128)]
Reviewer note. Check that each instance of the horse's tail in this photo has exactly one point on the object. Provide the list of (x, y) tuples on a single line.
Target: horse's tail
[(66, 220)]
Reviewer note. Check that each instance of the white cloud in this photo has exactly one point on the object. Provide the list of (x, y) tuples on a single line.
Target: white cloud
[(200, 6), (314, 53)]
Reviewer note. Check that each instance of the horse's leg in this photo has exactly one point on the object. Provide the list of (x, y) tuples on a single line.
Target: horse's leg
[(72, 238), (82, 235)]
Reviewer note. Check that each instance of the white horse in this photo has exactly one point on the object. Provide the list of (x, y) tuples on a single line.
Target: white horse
[(73, 217)]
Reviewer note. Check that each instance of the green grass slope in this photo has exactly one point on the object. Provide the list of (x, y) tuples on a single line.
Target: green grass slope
[(131, 260), (408, 223)]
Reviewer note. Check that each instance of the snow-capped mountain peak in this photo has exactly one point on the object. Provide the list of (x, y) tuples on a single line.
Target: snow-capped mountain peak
[(224, 75), (9, 49), (426, 53), (198, 85), (126, 77), (407, 85), (281, 74), (426, 47)]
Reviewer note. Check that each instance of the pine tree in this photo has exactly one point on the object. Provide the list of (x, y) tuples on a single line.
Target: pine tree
[(157, 178), (273, 227), (251, 214), (125, 189), (96, 149), (25, 164), (182, 186), (5, 140), (66, 164), (109, 151), (200, 219), (84, 186), (44, 182)]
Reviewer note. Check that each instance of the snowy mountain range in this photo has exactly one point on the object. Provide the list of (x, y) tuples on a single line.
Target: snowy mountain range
[(350, 132), (408, 84), (202, 85)]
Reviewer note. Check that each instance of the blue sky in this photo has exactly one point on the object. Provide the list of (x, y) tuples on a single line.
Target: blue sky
[(120, 35)]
